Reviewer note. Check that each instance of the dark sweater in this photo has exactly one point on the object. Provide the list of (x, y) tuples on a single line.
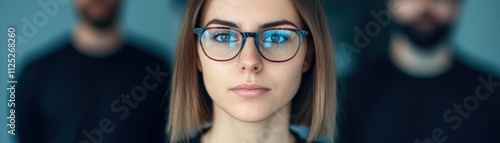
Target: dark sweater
[(384, 105), (68, 97)]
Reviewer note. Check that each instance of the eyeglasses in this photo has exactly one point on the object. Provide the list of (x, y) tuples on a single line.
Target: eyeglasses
[(275, 45)]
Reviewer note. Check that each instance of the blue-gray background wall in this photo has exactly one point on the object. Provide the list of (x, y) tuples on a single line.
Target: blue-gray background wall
[(158, 22)]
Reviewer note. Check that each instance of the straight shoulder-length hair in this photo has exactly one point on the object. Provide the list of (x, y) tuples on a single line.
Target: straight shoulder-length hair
[(313, 106)]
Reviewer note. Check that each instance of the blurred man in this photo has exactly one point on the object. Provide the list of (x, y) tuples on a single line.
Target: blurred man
[(95, 88), (419, 92)]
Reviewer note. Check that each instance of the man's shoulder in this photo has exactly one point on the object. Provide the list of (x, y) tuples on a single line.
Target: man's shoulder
[(139, 54), (42, 60)]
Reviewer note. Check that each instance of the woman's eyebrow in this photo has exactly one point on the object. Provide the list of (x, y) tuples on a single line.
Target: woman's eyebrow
[(277, 23), (262, 26), (222, 22)]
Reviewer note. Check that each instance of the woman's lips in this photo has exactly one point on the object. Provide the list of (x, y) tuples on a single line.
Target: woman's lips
[(249, 90)]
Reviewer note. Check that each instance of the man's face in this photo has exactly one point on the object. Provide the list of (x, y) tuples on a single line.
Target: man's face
[(424, 22), (99, 13)]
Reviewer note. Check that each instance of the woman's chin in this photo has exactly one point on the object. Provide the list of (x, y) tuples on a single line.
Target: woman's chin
[(250, 113)]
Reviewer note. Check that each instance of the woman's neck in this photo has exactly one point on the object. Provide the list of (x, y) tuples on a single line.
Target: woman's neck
[(227, 129)]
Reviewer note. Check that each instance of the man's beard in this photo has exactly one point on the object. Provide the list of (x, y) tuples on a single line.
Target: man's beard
[(102, 22), (424, 39)]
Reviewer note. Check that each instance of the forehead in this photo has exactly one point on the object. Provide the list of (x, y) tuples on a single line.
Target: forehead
[(250, 13)]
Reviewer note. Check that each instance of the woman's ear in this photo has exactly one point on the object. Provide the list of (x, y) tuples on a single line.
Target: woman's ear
[(308, 61)]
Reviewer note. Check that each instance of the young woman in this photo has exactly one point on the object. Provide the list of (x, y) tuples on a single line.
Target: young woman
[(246, 70)]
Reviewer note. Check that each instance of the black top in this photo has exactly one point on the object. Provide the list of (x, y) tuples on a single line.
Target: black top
[(197, 138), (384, 105), (69, 97)]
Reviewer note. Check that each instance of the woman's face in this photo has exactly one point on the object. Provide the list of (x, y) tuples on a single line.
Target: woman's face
[(249, 87)]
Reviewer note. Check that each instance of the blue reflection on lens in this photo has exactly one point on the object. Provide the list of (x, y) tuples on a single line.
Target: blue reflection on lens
[(275, 37), (232, 44)]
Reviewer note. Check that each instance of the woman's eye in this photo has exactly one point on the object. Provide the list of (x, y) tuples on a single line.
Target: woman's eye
[(224, 37), (276, 38)]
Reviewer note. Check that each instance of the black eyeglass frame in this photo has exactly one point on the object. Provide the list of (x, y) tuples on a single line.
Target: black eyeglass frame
[(301, 33)]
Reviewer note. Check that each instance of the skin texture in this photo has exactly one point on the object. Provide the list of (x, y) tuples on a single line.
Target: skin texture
[(236, 118)]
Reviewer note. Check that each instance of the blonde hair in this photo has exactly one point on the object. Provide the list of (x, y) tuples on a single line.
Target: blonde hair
[(313, 106)]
